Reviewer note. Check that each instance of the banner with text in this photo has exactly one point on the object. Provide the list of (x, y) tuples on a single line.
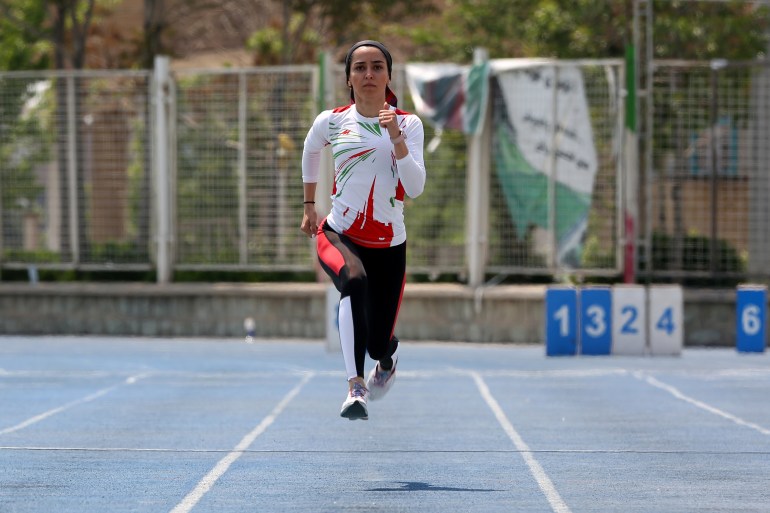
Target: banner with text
[(544, 152)]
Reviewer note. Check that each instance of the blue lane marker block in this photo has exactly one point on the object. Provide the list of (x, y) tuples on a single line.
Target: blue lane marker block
[(561, 321), (595, 320), (751, 319)]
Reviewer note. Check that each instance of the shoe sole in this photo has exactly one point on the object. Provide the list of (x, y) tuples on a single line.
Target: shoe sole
[(355, 411)]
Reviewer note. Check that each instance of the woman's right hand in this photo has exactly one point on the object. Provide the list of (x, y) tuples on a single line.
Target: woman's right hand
[(309, 220)]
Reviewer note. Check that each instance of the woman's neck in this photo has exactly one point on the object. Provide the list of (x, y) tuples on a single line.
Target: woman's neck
[(369, 109)]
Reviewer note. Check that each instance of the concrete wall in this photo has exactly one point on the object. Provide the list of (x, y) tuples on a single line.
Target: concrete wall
[(510, 314)]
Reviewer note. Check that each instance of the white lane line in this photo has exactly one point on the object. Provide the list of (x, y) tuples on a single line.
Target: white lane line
[(546, 485), (37, 418), (58, 374), (205, 484), (700, 404), (162, 450)]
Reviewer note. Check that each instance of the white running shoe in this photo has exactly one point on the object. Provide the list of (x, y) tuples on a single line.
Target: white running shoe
[(380, 381), (354, 406)]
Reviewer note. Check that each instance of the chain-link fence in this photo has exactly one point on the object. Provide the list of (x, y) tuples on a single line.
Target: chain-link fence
[(238, 145), (74, 169), (706, 212), (78, 174)]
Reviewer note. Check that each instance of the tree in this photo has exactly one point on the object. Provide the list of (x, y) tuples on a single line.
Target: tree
[(65, 24), (161, 17), (589, 29), (22, 144), (20, 48), (306, 27)]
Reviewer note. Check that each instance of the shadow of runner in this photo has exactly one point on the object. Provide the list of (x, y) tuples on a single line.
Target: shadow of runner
[(417, 486)]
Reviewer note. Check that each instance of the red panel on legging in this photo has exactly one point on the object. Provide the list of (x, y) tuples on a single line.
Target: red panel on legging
[(327, 253)]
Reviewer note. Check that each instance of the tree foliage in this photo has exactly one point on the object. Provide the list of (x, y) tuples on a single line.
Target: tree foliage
[(35, 33), (306, 27), (20, 47), (709, 30), (279, 44), (590, 29), (63, 23)]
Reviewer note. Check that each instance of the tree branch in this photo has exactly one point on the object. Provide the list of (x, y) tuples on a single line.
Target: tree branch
[(296, 37), (80, 32)]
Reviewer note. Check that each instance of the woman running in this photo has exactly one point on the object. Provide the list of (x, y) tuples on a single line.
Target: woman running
[(361, 244)]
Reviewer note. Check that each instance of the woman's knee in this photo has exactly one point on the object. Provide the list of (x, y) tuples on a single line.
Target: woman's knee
[(354, 285)]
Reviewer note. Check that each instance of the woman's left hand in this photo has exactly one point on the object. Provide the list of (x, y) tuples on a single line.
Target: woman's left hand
[(389, 120)]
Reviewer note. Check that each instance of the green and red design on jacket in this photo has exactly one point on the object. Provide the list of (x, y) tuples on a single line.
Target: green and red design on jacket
[(340, 137)]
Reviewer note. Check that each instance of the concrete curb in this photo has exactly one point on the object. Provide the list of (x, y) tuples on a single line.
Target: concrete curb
[(441, 312)]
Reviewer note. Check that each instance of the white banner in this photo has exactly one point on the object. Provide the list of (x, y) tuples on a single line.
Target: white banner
[(529, 99)]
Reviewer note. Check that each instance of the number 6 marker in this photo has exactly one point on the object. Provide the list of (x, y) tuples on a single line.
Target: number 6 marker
[(751, 318)]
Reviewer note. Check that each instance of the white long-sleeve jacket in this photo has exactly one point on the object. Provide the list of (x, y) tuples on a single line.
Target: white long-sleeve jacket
[(369, 182)]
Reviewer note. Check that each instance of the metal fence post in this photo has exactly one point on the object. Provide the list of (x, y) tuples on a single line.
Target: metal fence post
[(325, 101), (714, 157), (72, 171), (243, 231), (553, 243), (163, 200), (759, 181), (2, 249), (477, 211)]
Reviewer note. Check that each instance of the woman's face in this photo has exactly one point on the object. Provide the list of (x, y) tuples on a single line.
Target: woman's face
[(368, 73)]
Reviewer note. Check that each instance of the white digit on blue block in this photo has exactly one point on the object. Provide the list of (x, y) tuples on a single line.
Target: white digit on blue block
[(598, 318), (562, 316), (561, 321), (751, 320)]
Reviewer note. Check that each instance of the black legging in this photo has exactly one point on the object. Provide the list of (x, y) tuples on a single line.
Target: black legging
[(374, 279)]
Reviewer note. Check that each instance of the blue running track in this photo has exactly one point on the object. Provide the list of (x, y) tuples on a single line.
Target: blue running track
[(102, 424)]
